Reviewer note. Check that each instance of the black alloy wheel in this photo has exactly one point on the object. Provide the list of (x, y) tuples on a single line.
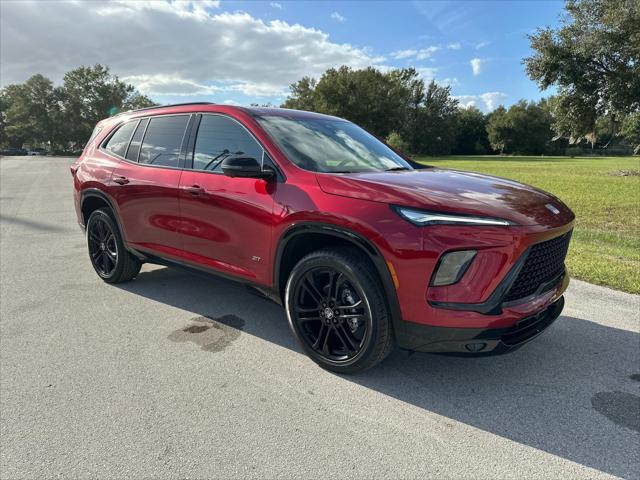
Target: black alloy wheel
[(332, 316), (337, 310), (102, 247), (109, 257)]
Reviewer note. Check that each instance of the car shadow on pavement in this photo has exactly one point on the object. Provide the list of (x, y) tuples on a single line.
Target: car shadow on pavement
[(572, 393)]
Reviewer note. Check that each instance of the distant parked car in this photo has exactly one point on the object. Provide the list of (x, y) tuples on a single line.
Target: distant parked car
[(13, 151), (37, 152)]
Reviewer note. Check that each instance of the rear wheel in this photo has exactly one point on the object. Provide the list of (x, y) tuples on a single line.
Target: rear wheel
[(336, 309), (111, 261)]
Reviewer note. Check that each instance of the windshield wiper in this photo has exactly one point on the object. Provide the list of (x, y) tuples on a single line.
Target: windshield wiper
[(393, 169)]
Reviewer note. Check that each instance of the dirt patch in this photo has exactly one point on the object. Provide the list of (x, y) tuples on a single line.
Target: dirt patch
[(625, 173), (210, 334)]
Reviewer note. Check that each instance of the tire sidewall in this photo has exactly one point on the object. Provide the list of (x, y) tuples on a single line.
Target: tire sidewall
[(327, 260)]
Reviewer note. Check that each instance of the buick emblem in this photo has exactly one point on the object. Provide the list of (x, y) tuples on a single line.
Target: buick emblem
[(552, 209)]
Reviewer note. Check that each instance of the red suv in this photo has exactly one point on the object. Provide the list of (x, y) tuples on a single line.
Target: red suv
[(365, 249)]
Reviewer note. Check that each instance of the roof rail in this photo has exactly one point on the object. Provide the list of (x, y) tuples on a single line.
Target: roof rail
[(163, 106)]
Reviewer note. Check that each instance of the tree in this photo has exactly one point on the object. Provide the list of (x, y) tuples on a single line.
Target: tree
[(31, 112), (471, 132), (594, 60), (384, 102), (93, 93), (524, 129), (630, 131), (499, 129), (302, 95), (373, 99), (396, 141), (434, 130), (36, 112)]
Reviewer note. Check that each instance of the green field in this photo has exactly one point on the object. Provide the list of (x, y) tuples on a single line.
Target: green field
[(604, 193)]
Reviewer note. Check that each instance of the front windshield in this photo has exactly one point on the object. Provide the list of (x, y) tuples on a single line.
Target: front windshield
[(332, 146)]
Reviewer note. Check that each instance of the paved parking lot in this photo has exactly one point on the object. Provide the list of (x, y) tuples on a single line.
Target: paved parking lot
[(111, 381)]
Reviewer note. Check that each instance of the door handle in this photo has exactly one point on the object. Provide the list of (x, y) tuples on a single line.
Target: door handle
[(121, 180), (195, 190)]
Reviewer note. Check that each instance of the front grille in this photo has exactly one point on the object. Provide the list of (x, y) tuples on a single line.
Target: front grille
[(544, 263)]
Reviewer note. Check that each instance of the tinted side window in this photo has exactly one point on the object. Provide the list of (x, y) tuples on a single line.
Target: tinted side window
[(119, 141), (134, 146), (219, 137), (163, 140)]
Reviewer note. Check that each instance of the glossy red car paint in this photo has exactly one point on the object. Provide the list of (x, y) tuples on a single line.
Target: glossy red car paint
[(235, 226)]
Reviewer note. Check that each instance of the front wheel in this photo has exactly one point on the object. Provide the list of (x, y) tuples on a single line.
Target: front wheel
[(337, 310)]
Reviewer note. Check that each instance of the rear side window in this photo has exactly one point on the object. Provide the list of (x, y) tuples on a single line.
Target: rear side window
[(134, 147), (119, 141), (220, 137), (163, 141)]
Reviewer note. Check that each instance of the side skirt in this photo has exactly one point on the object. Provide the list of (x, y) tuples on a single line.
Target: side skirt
[(203, 272)]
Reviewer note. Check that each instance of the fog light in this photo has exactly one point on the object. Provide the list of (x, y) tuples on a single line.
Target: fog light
[(475, 347), (452, 266)]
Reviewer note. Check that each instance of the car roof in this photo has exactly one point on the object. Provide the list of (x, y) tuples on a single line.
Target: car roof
[(212, 107)]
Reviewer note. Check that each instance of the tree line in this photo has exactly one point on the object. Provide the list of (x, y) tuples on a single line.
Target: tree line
[(36, 112), (592, 58), (423, 118)]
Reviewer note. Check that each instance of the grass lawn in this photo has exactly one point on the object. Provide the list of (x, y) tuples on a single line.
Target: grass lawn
[(606, 241)]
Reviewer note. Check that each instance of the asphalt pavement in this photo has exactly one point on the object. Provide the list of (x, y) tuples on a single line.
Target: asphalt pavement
[(174, 375)]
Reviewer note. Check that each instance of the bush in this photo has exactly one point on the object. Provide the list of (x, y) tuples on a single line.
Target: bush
[(396, 141), (574, 152)]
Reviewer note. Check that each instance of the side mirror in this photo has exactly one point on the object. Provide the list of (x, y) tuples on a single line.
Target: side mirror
[(245, 167)]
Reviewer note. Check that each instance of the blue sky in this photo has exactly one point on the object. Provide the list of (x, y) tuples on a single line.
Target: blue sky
[(246, 52)]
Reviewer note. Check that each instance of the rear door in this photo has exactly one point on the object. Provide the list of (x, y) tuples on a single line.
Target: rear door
[(226, 222), (145, 183)]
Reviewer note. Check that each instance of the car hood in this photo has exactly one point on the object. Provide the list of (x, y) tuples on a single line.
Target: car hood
[(452, 191)]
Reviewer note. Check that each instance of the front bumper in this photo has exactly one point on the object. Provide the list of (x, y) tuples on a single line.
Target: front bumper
[(477, 341)]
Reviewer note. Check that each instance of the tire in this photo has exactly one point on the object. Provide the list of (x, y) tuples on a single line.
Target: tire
[(337, 310), (109, 257)]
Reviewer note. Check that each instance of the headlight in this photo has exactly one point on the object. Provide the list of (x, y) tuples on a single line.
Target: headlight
[(452, 266), (420, 218)]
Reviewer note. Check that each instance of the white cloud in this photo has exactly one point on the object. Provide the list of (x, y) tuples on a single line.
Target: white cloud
[(426, 73), (178, 48), (169, 85), (490, 100), (452, 82), (476, 65), (400, 54), (337, 17), (426, 52), (493, 99), (275, 5), (467, 101), (420, 54), (454, 46), (482, 45)]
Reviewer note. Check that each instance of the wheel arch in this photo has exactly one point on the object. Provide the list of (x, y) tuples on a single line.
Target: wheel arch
[(91, 199), (303, 238)]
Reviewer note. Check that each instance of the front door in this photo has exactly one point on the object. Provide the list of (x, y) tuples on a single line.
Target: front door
[(226, 222)]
